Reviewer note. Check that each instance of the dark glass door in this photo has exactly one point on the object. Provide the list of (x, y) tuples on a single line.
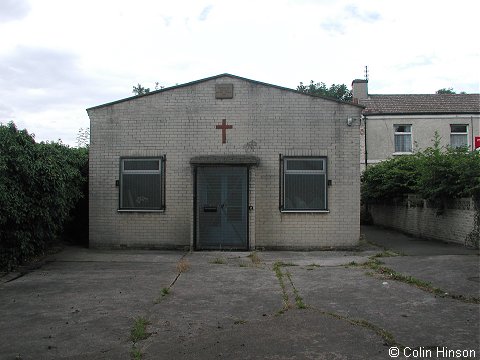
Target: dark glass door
[(221, 207)]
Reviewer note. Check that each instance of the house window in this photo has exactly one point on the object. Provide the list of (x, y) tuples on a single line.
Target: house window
[(304, 184), (141, 184), (458, 135), (403, 138)]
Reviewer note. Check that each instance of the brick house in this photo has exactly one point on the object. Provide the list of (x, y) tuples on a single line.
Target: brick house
[(401, 124), (225, 163)]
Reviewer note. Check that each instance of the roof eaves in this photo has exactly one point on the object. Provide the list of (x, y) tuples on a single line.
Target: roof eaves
[(379, 113)]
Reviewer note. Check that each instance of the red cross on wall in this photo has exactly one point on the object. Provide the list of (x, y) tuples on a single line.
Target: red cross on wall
[(224, 128)]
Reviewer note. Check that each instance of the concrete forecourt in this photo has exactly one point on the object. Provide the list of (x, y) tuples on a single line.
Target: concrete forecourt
[(393, 297)]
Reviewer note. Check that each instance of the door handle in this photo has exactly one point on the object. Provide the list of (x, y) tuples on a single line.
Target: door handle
[(209, 209)]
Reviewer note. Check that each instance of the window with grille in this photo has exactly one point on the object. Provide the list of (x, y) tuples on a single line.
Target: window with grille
[(458, 135), (304, 184), (403, 138), (141, 184)]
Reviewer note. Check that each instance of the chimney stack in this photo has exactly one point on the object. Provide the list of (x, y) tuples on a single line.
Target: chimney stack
[(359, 90)]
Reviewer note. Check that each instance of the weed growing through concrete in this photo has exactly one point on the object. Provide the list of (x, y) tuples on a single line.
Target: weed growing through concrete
[(387, 337), (163, 293), (136, 353), (139, 330), (386, 253), (138, 333), (183, 265), (312, 266), (240, 322), (277, 268), (390, 274), (283, 264), (218, 261), (278, 273), (298, 299), (255, 258)]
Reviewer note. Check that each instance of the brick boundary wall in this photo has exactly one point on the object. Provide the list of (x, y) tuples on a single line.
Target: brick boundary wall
[(417, 217)]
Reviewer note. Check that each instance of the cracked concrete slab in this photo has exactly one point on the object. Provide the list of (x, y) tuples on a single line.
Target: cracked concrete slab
[(81, 308), (455, 274), (82, 304), (297, 334), (414, 317)]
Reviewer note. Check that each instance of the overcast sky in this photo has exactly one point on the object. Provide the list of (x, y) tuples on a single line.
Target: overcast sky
[(59, 57)]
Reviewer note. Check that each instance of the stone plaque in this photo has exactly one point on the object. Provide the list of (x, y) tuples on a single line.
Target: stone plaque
[(223, 91)]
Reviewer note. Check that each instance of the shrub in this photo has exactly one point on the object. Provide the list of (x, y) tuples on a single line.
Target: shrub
[(436, 174), (39, 185), (390, 179)]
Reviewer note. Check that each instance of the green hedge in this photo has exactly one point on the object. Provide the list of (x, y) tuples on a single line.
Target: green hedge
[(40, 184), (436, 174)]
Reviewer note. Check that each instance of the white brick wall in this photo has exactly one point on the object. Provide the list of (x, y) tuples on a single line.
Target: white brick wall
[(453, 225), (181, 124)]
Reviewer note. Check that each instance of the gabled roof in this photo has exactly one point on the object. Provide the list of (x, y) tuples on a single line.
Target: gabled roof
[(418, 104), (219, 76)]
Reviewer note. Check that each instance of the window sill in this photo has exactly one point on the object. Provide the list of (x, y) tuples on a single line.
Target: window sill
[(402, 153), (305, 211), (139, 210)]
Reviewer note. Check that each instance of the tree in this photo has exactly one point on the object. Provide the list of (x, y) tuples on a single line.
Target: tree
[(336, 91), (140, 90), (447, 91), (83, 137)]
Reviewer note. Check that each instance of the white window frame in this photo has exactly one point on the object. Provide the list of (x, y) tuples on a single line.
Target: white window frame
[(323, 172), (459, 133), (160, 172), (402, 133)]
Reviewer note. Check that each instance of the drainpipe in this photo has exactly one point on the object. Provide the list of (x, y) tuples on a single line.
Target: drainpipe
[(472, 144), (365, 134)]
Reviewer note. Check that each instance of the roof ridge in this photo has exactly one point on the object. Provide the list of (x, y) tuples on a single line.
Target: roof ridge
[(216, 77)]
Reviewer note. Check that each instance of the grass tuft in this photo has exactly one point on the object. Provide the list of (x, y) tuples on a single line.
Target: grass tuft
[(139, 330), (165, 291), (386, 253), (183, 265), (136, 353), (255, 258), (218, 261)]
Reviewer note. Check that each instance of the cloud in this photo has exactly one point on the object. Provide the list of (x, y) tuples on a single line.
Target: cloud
[(6, 112), (204, 14), (13, 10), (417, 61), (333, 26), (38, 68), (346, 18), (167, 20), (362, 15), (32, 79)]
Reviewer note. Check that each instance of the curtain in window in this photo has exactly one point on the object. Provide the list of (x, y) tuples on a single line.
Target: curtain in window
[(141, 191), (403, 143), (458, 140), (305, 191)]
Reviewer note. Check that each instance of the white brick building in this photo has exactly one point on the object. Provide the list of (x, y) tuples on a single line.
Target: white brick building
[(225, 163)]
